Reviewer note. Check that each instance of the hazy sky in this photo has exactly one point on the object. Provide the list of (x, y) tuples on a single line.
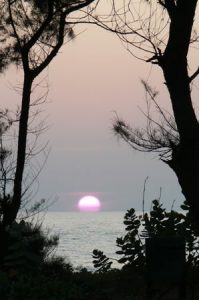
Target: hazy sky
[(92, 78)]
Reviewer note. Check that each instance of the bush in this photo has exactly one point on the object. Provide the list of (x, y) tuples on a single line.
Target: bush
[(157, 223), (28, 247)]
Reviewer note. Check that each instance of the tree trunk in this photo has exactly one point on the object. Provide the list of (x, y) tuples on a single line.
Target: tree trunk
[(13, 207), (185, 157), (185, 164)]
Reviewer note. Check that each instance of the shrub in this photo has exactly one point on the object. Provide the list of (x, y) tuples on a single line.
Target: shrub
[(28, 247), (157, 223)]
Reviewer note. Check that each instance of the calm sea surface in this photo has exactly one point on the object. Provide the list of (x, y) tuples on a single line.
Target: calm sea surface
[(80, 233)]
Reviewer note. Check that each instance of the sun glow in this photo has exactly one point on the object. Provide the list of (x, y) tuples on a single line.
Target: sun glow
[(89, 203)]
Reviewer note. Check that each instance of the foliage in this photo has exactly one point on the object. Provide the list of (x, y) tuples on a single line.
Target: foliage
[(31, 35), (163, 33), (65, 284), (20, 20), (157, 223), (32, 273), (7, 168), (30, 265), (101, 262), (131, 247), (28, 247)]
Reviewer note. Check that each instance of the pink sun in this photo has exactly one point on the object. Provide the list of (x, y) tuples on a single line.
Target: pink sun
[(89, 204)]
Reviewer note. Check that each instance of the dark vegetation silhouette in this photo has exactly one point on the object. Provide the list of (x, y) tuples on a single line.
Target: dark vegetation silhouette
[(163, 33), (157, 224), (32, 269), (32, 33), (170, 54)]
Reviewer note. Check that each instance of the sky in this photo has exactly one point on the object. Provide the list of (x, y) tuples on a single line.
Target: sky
[(92, 80)]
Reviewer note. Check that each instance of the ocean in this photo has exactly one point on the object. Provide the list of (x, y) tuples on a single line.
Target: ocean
[(80, 233)]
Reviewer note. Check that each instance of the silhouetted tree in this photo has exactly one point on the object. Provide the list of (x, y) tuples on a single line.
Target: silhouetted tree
[(163, 32), (32, 33)]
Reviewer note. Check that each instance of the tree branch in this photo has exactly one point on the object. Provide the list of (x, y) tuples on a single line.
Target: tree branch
[(194, 75), (41, 29), (55, 50)]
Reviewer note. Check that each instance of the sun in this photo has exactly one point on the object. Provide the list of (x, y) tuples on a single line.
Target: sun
[(89, 204)]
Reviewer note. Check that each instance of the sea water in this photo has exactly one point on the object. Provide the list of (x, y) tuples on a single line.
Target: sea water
[(80, 233)]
